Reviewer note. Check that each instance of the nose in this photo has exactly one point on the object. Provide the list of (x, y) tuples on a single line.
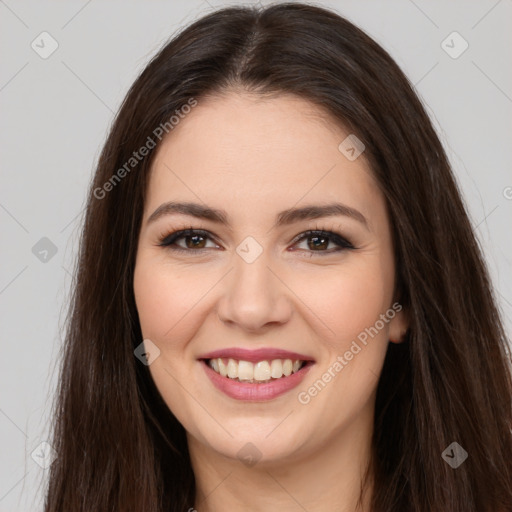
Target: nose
[(254, 296)]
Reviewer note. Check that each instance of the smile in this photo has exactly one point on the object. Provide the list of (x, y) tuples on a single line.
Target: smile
[(256, 375), (259, 372)]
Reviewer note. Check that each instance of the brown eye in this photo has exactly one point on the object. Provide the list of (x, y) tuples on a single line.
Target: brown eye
[(195, 240), (318, 241)]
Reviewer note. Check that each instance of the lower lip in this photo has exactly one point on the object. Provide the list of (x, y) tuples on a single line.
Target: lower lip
[(256, 392)]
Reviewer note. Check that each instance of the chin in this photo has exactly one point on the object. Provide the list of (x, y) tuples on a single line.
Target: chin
[(253, 441)]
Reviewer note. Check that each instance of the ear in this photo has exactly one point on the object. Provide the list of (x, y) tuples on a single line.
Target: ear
[(399, 324)]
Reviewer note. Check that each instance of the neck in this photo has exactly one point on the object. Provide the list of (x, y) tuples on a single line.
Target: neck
[(330, 478)]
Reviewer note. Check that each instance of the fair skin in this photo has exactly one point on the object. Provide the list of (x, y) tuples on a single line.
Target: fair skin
[(253, 158)]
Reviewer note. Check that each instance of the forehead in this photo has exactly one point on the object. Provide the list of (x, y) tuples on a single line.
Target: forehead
[(258, 152)]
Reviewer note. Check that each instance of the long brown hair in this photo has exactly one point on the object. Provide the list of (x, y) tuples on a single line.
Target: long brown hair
[(118, 445)]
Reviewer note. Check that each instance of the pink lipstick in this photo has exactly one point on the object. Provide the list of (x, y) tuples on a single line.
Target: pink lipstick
[(255, 375)]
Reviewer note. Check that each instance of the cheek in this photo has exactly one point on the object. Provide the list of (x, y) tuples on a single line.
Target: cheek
[(165, 301), (349, 299), (351, 305)]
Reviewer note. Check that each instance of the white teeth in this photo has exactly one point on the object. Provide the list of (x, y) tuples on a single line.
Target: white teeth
[(245, 370), (223, 369), (262, 371), (276, 368), (232, 369)]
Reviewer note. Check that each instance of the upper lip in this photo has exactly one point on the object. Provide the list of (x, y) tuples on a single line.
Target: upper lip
[(255, 355)]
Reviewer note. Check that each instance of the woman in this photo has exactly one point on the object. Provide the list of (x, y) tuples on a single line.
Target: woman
[(214, 359)]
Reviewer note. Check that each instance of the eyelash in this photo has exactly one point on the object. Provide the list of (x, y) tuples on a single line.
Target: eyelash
[(168, 240)]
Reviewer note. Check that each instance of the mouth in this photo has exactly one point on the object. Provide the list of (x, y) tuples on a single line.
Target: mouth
[(255, 375), (260, 372)]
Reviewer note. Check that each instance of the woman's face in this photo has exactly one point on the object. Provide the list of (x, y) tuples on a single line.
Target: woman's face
[(251, 287)]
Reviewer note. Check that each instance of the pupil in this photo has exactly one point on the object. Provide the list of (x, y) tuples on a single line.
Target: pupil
[(316, 239), (195, 238)]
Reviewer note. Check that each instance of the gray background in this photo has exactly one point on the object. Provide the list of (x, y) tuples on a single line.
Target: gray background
[(56, 113)]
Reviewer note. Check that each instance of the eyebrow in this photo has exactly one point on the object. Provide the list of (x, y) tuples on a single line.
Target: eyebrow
[(285, 217)]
